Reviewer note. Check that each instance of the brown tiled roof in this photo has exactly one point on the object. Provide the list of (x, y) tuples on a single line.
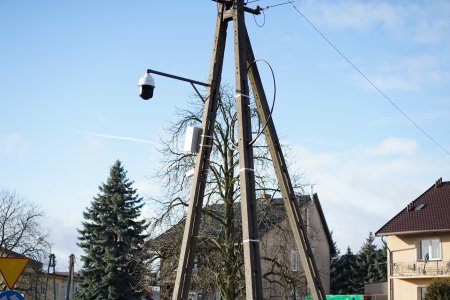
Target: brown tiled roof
[(429, 212)]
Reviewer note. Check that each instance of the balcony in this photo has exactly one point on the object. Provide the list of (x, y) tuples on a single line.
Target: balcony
[(420, 269)]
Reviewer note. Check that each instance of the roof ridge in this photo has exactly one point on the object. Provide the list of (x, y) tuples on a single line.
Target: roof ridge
[(410, 220)]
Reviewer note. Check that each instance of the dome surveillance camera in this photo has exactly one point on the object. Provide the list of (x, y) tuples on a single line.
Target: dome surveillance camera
[(146, 86)]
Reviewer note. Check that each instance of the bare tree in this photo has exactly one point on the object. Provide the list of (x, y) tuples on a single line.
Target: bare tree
[(21, 236), (219, 251)]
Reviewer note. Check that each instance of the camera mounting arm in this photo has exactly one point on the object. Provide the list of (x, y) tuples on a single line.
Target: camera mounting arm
[(191, 81)]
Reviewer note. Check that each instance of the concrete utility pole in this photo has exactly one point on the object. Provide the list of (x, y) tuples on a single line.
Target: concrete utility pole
[(51, 264), (70, 283), (245, 69)]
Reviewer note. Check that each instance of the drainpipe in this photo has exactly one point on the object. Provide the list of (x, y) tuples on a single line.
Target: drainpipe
[(389, 271)]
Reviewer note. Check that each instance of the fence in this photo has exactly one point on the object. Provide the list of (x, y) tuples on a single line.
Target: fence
[(421, 268)]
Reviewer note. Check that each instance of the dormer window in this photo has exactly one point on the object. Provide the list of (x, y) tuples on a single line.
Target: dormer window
[(419, 206)]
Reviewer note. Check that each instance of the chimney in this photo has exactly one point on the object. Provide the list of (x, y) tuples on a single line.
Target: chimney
[(438, 183), (410, 206), (265, 197)]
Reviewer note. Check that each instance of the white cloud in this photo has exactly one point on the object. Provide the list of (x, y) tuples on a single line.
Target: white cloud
[(431, 22), (426, 23), (63, 238), (362, 188), (356, 15), (91, 149), (146, 188), (410, 24), (392, 146), (408, 74), (13, 143)]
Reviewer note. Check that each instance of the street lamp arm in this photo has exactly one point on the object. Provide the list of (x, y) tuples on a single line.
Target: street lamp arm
[(177, 77)]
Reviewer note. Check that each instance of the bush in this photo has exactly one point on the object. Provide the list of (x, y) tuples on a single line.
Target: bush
[(439, 289)]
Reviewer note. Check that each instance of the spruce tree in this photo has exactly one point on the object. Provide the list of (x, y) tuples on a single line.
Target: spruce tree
[(352, 274), (112, 237), (367, 262), (335, 271), (381, 264), (344, 274)]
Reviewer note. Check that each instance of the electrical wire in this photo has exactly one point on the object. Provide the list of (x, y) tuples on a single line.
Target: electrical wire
[(262, 9), (273, 101), (264, 19), (260, 131), (279, 4), (370, 82)]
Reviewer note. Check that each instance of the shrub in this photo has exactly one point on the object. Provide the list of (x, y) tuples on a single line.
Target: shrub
[(439, 289)]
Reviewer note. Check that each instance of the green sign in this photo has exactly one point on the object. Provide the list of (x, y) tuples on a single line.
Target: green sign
[(340, 297)]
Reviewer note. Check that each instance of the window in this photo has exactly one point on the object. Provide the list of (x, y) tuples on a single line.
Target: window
[(195, 296), (196, 264), (430, 249), (421, 291), (295, 261), (419, 207), (42, 288), (295, 295)]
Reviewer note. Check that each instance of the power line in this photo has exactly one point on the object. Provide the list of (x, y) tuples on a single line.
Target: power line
[(371, 83), (279, 4)]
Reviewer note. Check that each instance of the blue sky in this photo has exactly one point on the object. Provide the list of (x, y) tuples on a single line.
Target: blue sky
[(69, 103)]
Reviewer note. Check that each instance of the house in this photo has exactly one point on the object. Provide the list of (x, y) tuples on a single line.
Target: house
[(57, 285), (27, 282), (418, 242), (33, 281), (282, 273)]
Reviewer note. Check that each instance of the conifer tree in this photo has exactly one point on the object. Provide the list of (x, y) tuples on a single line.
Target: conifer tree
[(112, 237), (335, 270), (381, 265), (367, 263), (352, 274), (344, 274)]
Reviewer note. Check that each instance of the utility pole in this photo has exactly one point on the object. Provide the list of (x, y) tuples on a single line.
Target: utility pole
[(51, 264), (70, 283), (245, 69)]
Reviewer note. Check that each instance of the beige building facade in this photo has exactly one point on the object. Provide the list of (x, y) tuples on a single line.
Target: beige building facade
[(57, 285), (418, 242), (283, 274), (289, 283)]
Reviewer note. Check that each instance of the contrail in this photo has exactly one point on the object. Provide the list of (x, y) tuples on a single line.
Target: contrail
[(117, 137)]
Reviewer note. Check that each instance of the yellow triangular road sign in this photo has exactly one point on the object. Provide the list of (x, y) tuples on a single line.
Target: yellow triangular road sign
[(11, 269)]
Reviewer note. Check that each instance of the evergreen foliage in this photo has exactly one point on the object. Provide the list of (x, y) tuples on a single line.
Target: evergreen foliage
[(439, 289), (335, 270), (344, 272), (381, 264), (367, 262), (112, 238), (350, 272)]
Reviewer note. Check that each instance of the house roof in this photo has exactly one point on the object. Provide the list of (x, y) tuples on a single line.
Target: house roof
[(66, 274), (273, 210), (325, 225), (9, 253), (430, 212)]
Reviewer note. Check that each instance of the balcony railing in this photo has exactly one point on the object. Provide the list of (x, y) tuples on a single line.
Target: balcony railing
[(421, 268)]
